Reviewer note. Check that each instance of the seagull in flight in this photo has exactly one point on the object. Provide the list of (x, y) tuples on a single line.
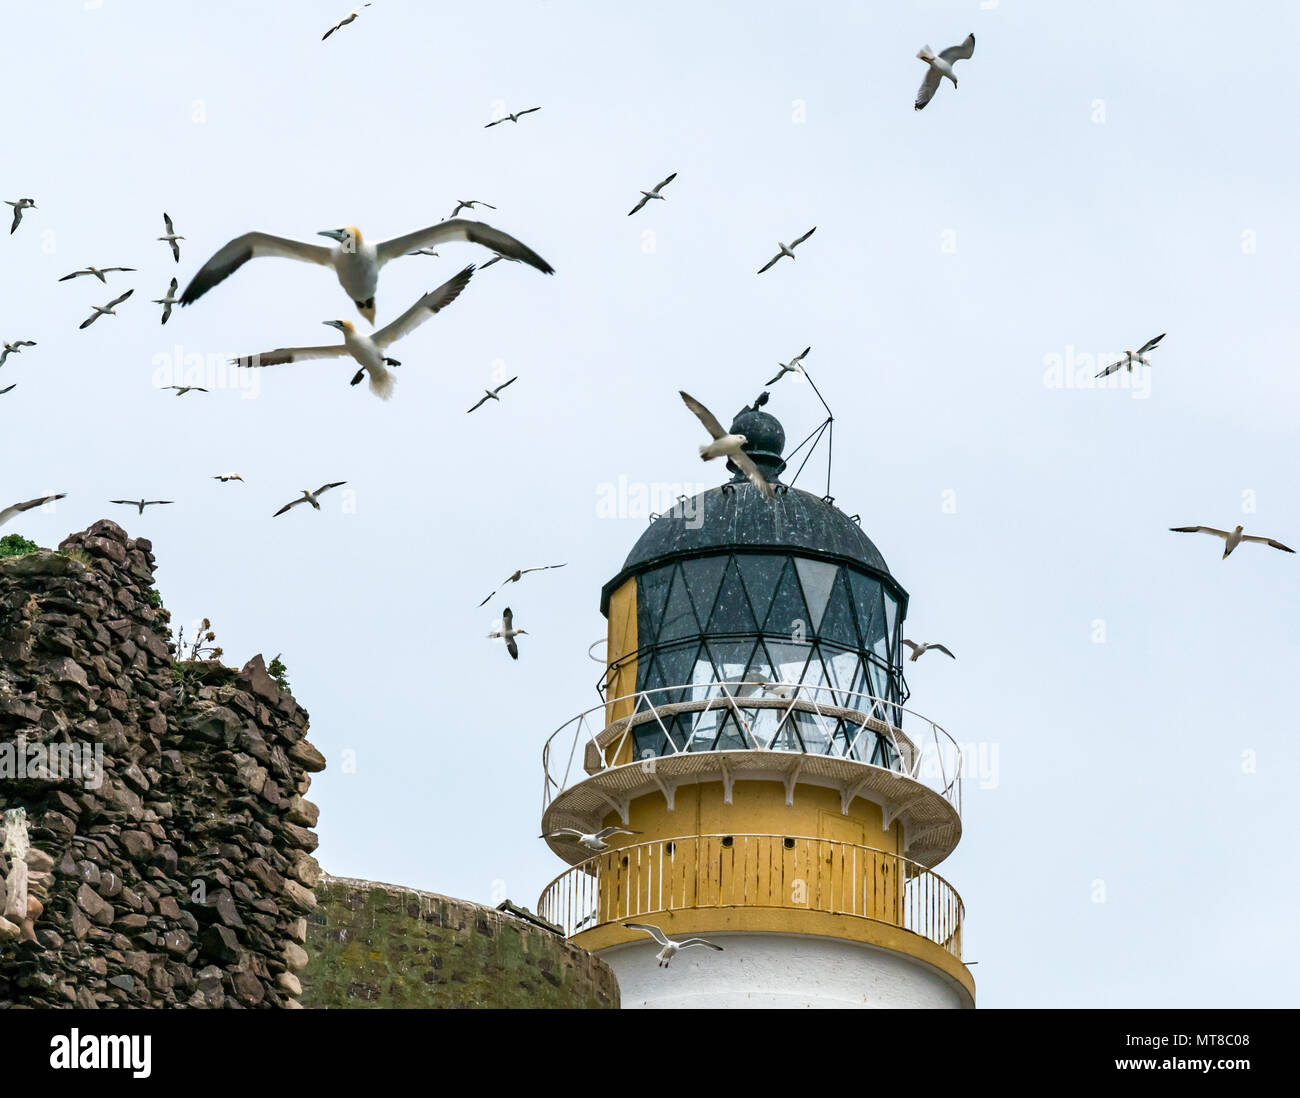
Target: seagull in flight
[(105, 310), (508, 632), (491, 394), (919, 650), (309, 497), (19, 206), (171, 237), (519, 574), (939, 67), (469, 204), (225, 478), (646, 196), (369, 350), (181, 390), (98, 272), (1231, 538), (794, 366), (15, 348), (787, 249), (141, 504), (355, 260), (670, 947), (595, 842), (730, 445), (19, 508), (511, 117), (344, 21), (1138, 356), (167, 301)]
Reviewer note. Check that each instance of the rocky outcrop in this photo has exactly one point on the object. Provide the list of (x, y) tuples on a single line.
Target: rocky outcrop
[(177, 869)]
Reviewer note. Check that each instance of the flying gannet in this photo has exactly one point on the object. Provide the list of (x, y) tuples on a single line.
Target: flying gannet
[(310, 497), (19, 206), (519, 574), (469, 204), (670, 948), (646, 196), (167, 301), (508, 632), (98, 272), (181, 390), (728, 445), (1130, 357), (227, 477), (105, 310), (794, 366), (19, 508), (594, 842), (15, 348), (511, 117), (787, 249), (1231, 538), (491, 394), (369, 350), (919, 650), (141, 504), (355, 260), (939, 67), (171, 237), (344, 21)]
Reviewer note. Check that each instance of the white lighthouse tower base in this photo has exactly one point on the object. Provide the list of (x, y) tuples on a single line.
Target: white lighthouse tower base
[(778, 970)]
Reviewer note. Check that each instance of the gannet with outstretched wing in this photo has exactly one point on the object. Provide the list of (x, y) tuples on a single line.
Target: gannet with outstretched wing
[(141, 504), (787, 249), (19, 508), (344, 21), (19, 206), (308, 496), (511, 117), (794, 366), (98, 272), (170, 237), (167, 301), (519, 574), (469, 204), (15, 348), (105, 310), (369, 350), (355, 260), (1232, 538), (728, 445), (491, 394), (508, 632), (1138, 356), (939, 67), (646, 196)]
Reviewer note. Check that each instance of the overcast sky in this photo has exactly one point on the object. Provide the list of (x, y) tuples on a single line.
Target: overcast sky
[(1103, 173)]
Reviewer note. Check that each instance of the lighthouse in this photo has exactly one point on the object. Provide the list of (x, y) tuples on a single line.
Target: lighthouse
[(785, 803)]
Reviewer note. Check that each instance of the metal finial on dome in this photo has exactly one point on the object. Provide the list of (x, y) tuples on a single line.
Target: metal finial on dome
[(766, 440)]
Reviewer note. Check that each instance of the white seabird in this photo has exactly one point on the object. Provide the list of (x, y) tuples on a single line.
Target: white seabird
[(15, 348), (491, 394), (309, 496), (19, 206), (19, 508), (728, 445), (469, 204), (939, 67), (98, 272), (167, 301), (519, 574), (225, 478), (355, 260), (1130, 357), (369, 350), (344, 21), (181, 390), (171, 237), (787, 249), (508, 632), (105, 310), (511, 117), (141, 504), (593, 842), (919, 650), (1232, 538), (646, 196), (794, 366), (670, 948)]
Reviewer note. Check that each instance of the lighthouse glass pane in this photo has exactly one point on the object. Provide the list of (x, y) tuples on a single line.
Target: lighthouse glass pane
[(838, 623), (651, 594), (731, 613), (760, 573), (679, 618), (702, 579), (817, 578), (788, 614)]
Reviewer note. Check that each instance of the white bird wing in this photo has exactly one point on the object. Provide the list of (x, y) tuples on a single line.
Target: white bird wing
[(1112, 367), (1199, 530), (706, 417), (288, 506), (746, 465), (1151, 343), (928, 87), (911, 644), (482, 400), (614, 829), (654, 932), (458, 228), (1267, 541), (959, 53), (167, 220), (795, 243), (118, 300), (800, 356), (327, 487), (507, 619), (941, 648), (698, 942), (660, 186), (644, 199), (429, 304), (19, 508), (291, 354), (564, 834), (251, 246), (769, 263)]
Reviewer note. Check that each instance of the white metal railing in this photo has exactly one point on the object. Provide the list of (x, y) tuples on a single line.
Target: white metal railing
[(755, 871), (852, 725)]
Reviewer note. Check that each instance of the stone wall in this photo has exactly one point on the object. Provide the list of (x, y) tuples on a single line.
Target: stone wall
[(185, 876), (378, 945)]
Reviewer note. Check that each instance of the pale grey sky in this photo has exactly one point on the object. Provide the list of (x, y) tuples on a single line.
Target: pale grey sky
[(1104, 172)]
